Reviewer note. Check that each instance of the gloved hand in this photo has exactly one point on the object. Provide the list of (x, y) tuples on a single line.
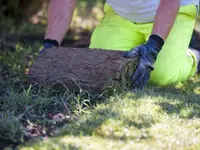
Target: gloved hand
[(147, 54), (48, 43)]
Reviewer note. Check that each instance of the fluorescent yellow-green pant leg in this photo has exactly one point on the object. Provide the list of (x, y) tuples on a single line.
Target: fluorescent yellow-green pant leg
[(115, 33), (173, 63)]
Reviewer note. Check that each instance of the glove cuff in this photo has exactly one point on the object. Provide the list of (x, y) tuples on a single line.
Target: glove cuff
[(156, 41), (52, 42)]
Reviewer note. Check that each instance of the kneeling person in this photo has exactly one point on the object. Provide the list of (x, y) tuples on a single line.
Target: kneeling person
[(158, 32)]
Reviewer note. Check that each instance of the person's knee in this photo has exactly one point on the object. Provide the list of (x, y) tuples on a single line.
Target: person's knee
[(161, 78), (171, 73), (164, 74)]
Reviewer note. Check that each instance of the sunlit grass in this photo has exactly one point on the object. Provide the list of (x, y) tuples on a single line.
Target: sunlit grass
[(156, 118)]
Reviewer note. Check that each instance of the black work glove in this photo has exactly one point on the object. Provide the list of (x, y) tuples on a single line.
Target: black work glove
[(147, 54), (48, 43)]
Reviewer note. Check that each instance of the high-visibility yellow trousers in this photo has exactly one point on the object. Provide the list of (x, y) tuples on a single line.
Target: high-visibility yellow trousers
[(174, 63)]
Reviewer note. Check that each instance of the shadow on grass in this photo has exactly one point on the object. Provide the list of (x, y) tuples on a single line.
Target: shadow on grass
[(110, 124), (182, 99), (122, 119)]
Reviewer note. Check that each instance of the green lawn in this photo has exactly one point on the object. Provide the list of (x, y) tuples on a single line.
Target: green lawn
[(155, 118)]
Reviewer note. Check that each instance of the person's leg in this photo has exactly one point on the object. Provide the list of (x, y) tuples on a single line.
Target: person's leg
[(60, 14), (175, 63), (115, 33)]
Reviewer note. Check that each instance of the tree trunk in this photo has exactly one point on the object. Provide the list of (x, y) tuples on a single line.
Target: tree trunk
[(82, 68)]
